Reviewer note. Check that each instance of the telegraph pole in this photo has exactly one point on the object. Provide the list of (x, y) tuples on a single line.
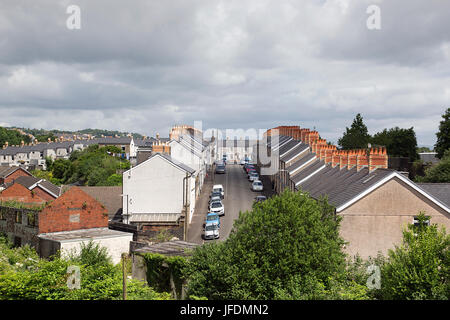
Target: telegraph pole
[(124, 275)]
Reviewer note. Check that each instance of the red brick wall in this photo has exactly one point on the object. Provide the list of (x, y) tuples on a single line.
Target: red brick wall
[(19, 193), (43, 194), (73, 210), (18, 173)]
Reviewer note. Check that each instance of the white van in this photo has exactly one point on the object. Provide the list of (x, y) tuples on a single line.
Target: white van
[(219, 187)]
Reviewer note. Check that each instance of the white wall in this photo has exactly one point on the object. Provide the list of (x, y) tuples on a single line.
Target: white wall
[(115, 245), (154, 186)]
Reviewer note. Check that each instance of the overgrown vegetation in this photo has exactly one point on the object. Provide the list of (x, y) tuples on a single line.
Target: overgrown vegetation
[(93, 166), (24, 276)]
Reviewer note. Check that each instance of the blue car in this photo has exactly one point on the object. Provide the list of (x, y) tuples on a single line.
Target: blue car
[(212, 218)]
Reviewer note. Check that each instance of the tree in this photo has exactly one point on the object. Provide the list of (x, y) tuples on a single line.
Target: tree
[(398, 142), (13, 137), (443, 135), (271, 249), (355, 137), (419, 268)]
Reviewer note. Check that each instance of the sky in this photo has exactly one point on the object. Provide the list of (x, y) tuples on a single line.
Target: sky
[(145, 65)]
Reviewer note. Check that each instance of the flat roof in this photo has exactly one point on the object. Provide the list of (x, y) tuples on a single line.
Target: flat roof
[(175, 248), (83, 234)]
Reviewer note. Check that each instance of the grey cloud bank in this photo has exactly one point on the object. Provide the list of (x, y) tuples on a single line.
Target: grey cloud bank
[(143, 66)]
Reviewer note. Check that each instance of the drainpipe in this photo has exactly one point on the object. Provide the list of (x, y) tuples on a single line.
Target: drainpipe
[(185, 203)]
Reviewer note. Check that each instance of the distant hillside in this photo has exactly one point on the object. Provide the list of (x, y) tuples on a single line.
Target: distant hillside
[(43, 134)]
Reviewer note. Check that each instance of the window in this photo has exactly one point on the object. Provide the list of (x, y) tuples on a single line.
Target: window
[(417, 223), (18, 217), (31, 219)]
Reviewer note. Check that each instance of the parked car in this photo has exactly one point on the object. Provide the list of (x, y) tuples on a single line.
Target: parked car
[(252, 176), (217, 207), (252, 171), (249, 168), (220, 169), (212, 218), (211, 231), (257, 185), (260, 198), (219, 188), (215, 198), (215, 194), (242, 162)]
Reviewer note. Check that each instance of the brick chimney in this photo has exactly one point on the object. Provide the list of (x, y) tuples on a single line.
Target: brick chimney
[(336, 158), (362, 160), (378, 158), (343, 159), (329, 149), (352, 154)]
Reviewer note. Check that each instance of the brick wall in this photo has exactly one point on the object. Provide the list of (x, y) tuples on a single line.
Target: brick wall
[(73, 210), (43, 194), (18, 173), (20, 193)]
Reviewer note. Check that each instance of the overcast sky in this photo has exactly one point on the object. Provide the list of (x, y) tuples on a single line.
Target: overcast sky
[(143, 66)]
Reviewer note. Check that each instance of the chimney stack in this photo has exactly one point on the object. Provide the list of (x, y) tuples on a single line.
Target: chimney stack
[(378, 158)]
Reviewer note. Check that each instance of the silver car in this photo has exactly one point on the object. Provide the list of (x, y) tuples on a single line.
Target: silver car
[(257, 186)]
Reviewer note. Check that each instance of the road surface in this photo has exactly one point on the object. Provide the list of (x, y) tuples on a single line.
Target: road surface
[(238, 197)]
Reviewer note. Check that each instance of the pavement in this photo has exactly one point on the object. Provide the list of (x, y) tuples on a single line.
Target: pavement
[(238, 197)]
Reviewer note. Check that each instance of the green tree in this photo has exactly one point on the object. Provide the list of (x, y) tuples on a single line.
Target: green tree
[(355, 137), (398, 142), (419, 268), (443, 135), (281, 241), (13, 137)]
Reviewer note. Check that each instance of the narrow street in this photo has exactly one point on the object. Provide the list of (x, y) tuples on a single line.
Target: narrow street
[(238, 197)]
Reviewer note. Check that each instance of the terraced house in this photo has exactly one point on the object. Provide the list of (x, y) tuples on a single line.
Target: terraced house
[(376, 203)]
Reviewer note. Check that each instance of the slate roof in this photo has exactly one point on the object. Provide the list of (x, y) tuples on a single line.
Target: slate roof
[(286, 147), (7, 170), (301, 162), (440, 191), (301, 147), (308, 171), (271, 143), (342, 185), (109, 196)]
